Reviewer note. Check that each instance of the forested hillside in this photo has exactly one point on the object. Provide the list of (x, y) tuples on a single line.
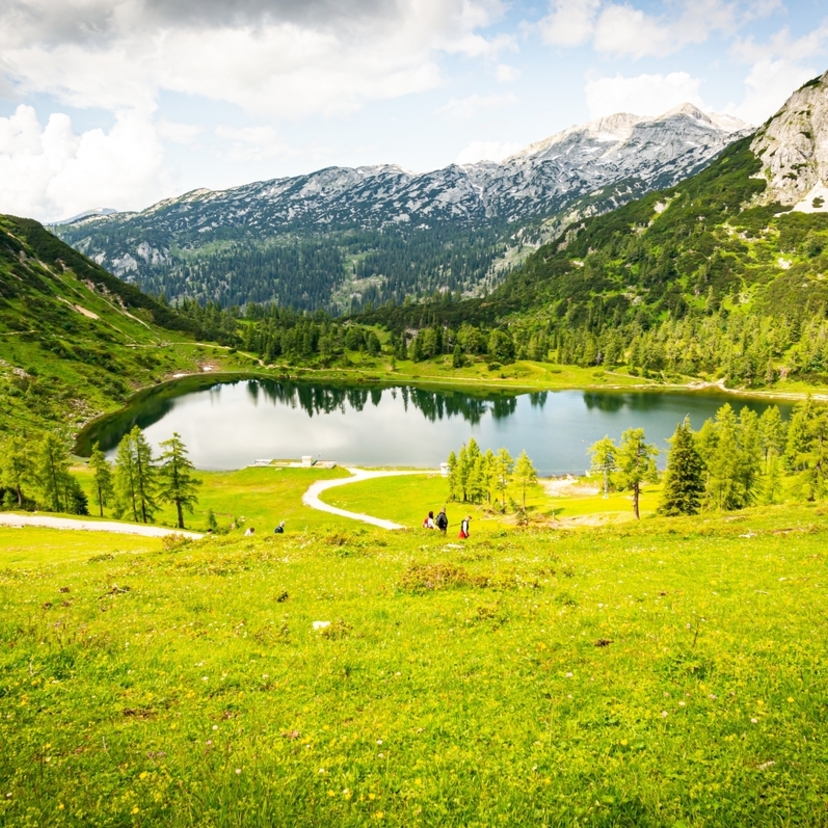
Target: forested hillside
[(75, 340), (341, 239), (706, 277)]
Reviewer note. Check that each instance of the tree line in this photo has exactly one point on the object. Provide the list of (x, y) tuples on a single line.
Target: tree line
[(134, 487), (731, 462), (481, 477)]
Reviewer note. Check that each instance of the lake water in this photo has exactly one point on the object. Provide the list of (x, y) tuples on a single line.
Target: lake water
[(231, 424)]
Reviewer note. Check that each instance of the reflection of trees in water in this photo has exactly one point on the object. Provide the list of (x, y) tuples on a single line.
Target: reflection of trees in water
[(503, 407), (312, 399), (607, 402), (537, 399), (434, 405)]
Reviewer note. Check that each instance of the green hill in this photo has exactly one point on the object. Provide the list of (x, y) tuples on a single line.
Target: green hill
[(75, 340), (711, 277)]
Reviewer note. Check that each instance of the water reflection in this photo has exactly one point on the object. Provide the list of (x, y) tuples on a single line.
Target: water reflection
[(230, 424)]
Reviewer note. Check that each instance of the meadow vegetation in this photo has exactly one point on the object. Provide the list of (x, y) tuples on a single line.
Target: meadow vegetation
[(667, 672)]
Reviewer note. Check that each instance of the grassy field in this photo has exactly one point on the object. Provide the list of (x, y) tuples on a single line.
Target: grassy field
[(33, 547), (407, 500), (671, 672), (257, 497)]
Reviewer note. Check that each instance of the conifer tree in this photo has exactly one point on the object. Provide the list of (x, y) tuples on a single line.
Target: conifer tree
[(504, 465), (17, 467), (604, 460), (176, 483), (684, 480), (135, 481), (104, 490), (526, 474), (636, 464), (52, 473), (772, 433), (455, 489)]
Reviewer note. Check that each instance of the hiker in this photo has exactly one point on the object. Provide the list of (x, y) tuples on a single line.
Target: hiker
[(441, 520), (249, 532), (280, 529), (428, 523), (464, 527)]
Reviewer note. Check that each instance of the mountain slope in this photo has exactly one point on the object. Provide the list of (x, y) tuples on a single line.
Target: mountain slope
[(378, 233), (725, 274), (74, 339)]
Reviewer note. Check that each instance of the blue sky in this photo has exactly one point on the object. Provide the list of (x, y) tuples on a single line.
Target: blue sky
[(119, 103)]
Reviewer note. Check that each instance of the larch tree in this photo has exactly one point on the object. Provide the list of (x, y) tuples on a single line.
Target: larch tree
[(604, 455), (176, 484), (636, 464), (102, 478), (504, 465), (684, 480), (52, 473), (17, 467), (525, 473), (135, 476)]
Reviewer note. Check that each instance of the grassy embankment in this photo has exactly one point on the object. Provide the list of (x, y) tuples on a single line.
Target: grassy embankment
[(671, 672)]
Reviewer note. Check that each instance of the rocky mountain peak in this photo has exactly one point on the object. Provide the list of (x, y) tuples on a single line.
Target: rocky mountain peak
[(793, 147)]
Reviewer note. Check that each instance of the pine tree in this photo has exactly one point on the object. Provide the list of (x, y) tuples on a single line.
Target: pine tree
[(455, 489), (684, 480), (104, 491), (636, 464), (526, 474), (772, 433), (724, 490), (176, 483)]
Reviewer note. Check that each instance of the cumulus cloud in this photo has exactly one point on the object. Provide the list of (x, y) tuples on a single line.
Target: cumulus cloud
[(626, 30), (52, 172), (276, 58), (486, 151), (777, 67), (642, 95), (506, 74), (469, 107), (569, 22)]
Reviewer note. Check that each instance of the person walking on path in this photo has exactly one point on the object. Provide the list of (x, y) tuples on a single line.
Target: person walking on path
[(280, 529), (464, 527), (441, 520), (428, 523)]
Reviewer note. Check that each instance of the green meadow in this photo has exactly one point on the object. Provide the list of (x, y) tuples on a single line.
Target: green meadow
[(668, 672)]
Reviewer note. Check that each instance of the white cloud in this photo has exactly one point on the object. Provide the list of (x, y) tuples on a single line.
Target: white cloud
[(178, 133), (251, 143), (486, 151), (269, 58), (506, 74), (624, 29), (642, 95), (569, 22), (768, 85), (52, 172), (777, 70), (469, 107)]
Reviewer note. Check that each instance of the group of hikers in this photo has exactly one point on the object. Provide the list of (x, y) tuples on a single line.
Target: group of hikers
[(441, 522), (279, 530)]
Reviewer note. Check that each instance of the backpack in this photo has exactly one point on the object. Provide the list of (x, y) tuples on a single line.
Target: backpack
[(442, 521)]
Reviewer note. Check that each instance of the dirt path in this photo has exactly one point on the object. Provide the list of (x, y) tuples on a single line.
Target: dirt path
[(18, 521), (311, 496)]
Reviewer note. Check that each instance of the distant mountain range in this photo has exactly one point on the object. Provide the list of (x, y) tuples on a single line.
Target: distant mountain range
[(340, 237)]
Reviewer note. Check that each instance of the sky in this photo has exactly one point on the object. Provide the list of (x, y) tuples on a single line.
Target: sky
[(120, 103)]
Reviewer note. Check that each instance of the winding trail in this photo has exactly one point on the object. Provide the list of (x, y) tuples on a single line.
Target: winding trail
[(18, 521), (311, 496)]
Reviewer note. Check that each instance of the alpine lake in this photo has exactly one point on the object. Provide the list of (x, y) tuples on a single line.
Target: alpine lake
[(229, 424)]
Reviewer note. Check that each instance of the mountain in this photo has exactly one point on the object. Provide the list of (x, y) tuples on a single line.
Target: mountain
[(344, 236), (724, 274), (74, 339)]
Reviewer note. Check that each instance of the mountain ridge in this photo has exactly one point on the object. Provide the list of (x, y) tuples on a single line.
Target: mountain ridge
[(493, 212)]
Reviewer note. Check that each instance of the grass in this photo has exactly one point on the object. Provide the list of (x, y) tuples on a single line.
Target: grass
[(670, 672), (258, 497), (32, 547)]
